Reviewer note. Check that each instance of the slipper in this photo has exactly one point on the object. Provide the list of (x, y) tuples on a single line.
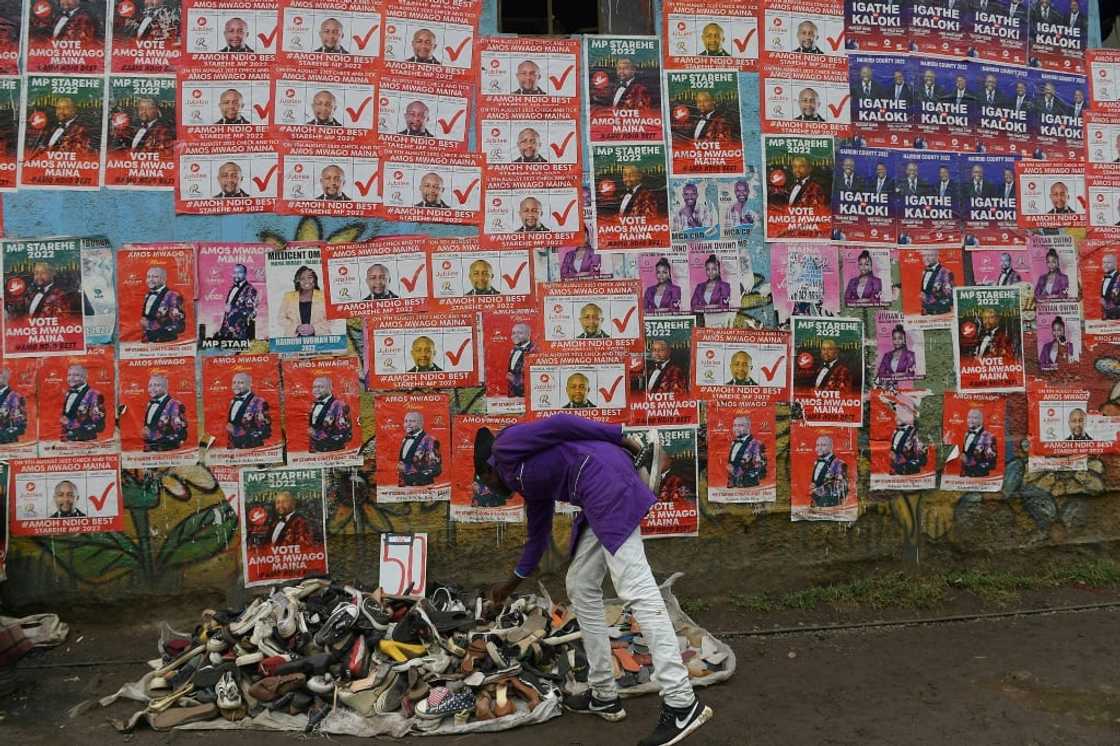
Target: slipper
[(502, 705), (626, 660), (400, 651), (525, 691), (272, 687), (176, 716)]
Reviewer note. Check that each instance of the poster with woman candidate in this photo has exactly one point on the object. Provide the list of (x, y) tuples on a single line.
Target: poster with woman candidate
[(707, 137), (867, 277), (676, 512), (146, 36), (510, 336), (711, 34), (661, 379), (466, 277), (65, 37), (631, 205), (43, 309), (973, 429), (713, 277), (140, 139), (805, 280), (156, 292), (321, 410), (242, 420), (903, 449), (988, 339), (742, 450), (78, 404), (727, 362), (864, 201), (414, 448), (60, 140), (799, 177), (928, 277), (283, 525), (1064, 425), (471, 500), (435, 349), (900, 351), (828, 371), (159, 411), (876, 26), (1054, 267), (591, 315), (1058, 335), (824, 474), (623, 89), (68, 495), (990, 199), (330, 35), (232, 297), (19, 407), (1059, 34), (590, 384), (665, 279), (297, 303)]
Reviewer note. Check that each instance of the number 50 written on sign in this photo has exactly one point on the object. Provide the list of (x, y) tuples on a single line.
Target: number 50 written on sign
[(404, 564)]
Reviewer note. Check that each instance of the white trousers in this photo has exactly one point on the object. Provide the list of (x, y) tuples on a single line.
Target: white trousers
[(633, 580)]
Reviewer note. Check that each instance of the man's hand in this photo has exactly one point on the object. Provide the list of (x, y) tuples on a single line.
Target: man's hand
[(632, 444), (499, 592)]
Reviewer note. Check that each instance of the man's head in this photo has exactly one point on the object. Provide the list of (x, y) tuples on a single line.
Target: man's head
[(631, 177), (530, 213), (911, 170), (625, 69), (240, 273), (321, 387), (824, 446), (741, 426), (975, 419), (829, 350), (377, 278), (930, 257), (146, 109), (962, 82), (76, 375), (590, 318), (235, 31), (689, 194), (865, 74), (64, 109), (741, 365), (989, 317), (416, 116), (481, 273), (1059, 195), (42, 274), (989, 82), (156, 277), (1077, 421), (65, 495), (330, 32), (1020, 89), (528, 142), (943, 173), (423, 351), (520, 333), (977, 173), (323, 104), (229, 177), (1078, 96), (849, 165), (899, 78), (528, 74), (331, 179), (806, 34), (742, 190), (1008, 176), (928, 78), (1049, 89), (431, 187), (880, 170), (576, 387), (1108, 263), (712, 38), (808, 100), (69, 5), (284, 503), (241, 384), (413, 422), (705, 102), (659, 350), (157, 385), (423, 42), (800, 167), (1005, 261)]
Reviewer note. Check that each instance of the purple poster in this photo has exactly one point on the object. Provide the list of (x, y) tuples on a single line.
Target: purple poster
[(1001, 268), (990, 197), (945, 107), (664, 276), (882, 100), (876, 25), (1004, 115), (900, 350), (997, 31), (864, 205), (1060, 105), (1058, 33), (929, 189), (232, 296), (866, 273)]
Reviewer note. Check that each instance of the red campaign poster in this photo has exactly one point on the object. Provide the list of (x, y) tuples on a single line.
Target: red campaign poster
[(591, 384), (742, 449), (623, 88), (19, 407), (332, 106), (529, 72), (591, 315), (78, 404), (1052, 194), (10, 118), (431, 39), (141, 133), (471, 500), (824, 473), (520, 142), (145, 36), (661, 391), (423, 112), (61, 142), (727, 362), (675, 512), (1102, 137), (42, 298), (156, 289), (511, 335), (159, 412), (413, 448), (631, 196), (972, 426), (711, 34), (466, 277), (333, 34), (283, 525), (928, 277), (219, 103), (1104, 79), (1102, 182), (706, 131), (793, 28), (230, 32), (903, 456), (11, 46), (828, 372), (321, 410), (242, 425), (388, 274), (438, 350), (806, 95), (431, 187), (529, 211), (69, 495), (1062, 423), (65, 36), (226, 178), (329, 180), (1100, 278)]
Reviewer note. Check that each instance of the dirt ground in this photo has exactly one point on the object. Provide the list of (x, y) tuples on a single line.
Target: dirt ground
[(1041, 679)]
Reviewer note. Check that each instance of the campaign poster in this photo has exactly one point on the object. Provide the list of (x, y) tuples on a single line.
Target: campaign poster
[(519, 142), (997, 31), (882, 100), (624, 89), (466, 277), (438, 350), (297, 303), (146, 36), (805, 280), (60, 142), (65, 37), (661, 378), (806, 96), (1104, 79), (11, 45), (867, 277), (590, 384), (1103, 186), (528, 211), (158, 411), (997, 268), (156, 289), (990, 202), (511, 335), (329, 180), (799, 176), (427, 113), (19, 407), (928, 277), (713, 277), (591, 315), (233, 33), (707, 136), (283, 525), (99, 290), (241, 410), (742, 450), (217, 104), (321, 410), (232, 296), (414, 448), (711, 34), (877, 25), (325, 105), (585, 263), (694, 209), (740, 206), (791, 28), (828, 375), (67, 495), (545, 70), (343, 34), (676, 512), (1052, 194), (141, 133), (471, 500), (1006, 120), (665, 278), (903, 453), (1054, 268), (432, 187), (10, 118), (730, 363), (973, 428), (1100, 276), (946, 104), (864, 201), (226, 179), (988, 339), (631, 206), (1061, 104), (824, 473), (900, 350), (1064, 425), (1058, 335), (939, 28), (1059, 34), (426, 40), (43, 309), (385, 274), (931, 203), (78, 404)]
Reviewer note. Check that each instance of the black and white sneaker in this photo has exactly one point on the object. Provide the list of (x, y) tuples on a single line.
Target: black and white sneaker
[(587, 703), (675, 724)]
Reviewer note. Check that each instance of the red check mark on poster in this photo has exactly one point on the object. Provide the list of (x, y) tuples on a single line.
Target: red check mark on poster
[(620, 325), (453, 54), (558, 83), (364, 187), (267, 40), (839, 107), (562, 217), (456, 356), (1083, 202), (356, 115), (262, 184), (463, 195), (773, 369), (410, 282), (99, 502), (512, 281), (835, 43), (741, 44), (263, 111), (361, 41), (608, 394), (562, 148), (447, 126)]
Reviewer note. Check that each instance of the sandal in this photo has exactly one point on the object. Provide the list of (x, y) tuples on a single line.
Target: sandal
[(502, 705), (476, 653), (525, 691)]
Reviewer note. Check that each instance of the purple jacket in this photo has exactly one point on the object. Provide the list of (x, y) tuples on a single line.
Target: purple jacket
[(905, 367), (670, 299), (871, 291), (720, 296), (577, 461), (1059, 290), (590, 268)]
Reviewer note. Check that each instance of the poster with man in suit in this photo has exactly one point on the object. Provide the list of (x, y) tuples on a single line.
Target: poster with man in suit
[(66, 37), (973, 428), (630, 184), (413, 447), (146, 36), (707, 137), (242, 424), (903, 450), (512, 334), (623, 85), (141, 134), (823, 476), (42, 298), (19, 407), (283, 525), (159, 411), (77, 403), (661, 389), (472, 501), (828, 370), (321, 410), (156, 291), (69, 495), (741, 443), (799, 178), (61, 143), (988, 339)]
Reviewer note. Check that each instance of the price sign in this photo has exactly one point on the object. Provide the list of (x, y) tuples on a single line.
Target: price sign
[(404, 564)]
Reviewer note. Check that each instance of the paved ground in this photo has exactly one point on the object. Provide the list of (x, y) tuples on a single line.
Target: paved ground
[(1048, 679)]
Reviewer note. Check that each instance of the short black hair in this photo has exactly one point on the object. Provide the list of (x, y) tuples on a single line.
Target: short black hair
[(483, 445)]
